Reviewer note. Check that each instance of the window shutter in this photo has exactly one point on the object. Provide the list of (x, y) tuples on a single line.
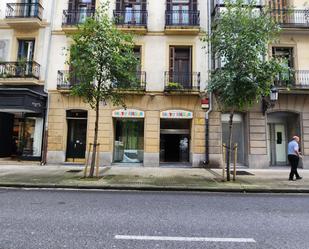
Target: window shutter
[(172, 64), (168, 5), (72, 5), (144, 5), (118, 5), (194, 5)]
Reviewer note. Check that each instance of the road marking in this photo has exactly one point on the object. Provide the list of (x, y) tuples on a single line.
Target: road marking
[(185, 239)]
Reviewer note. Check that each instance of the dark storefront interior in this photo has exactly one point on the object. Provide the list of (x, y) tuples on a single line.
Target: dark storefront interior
[(174, 141), (21, 123)]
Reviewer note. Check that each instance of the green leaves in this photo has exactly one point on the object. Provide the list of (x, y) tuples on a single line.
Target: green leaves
[(102, 58), (240, 37)]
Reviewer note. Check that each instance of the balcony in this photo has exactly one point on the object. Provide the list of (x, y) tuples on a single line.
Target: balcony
[(185, 22), (294, 18), (65, 82), (20, 73), (131, 20), (71, 18), (24, 15), (139, 84), (182, 82), (298, 79)]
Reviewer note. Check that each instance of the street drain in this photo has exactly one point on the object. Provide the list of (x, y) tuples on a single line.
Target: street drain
[(242, 173), (74, 170)]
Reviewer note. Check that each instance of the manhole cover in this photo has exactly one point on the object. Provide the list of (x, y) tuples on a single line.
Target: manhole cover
[(74, 171), (242, 173)]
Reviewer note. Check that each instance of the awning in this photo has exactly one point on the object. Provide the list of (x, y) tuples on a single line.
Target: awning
[(22, 100)]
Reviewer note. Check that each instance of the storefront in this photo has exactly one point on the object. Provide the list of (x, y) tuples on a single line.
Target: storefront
[(21, 123), (128, 136), (175, 136)]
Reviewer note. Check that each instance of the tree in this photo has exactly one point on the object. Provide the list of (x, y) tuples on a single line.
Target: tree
[(103, 62), (240, 38)]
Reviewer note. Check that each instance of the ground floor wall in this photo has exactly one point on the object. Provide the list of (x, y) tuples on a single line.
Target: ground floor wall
[(266, 135), (151, 108)]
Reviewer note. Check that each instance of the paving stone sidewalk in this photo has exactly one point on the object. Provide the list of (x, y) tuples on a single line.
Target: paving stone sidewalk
[(140, 178)]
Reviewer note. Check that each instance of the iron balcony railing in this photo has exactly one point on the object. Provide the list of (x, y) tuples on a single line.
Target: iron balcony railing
[(292, 17), (182, 81), (24, 10), (182, 18), (138, 84), (20, 69), (75, 17), (131, 17), (294, 79), (66, 80)]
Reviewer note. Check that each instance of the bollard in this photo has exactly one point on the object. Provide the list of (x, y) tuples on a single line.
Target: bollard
[(87, 161), (97, 161), (224, 159), (235, 161)]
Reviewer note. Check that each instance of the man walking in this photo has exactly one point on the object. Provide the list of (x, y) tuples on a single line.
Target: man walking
[(293, 156)]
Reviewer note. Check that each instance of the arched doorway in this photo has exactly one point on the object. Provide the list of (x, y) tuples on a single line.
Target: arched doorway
[(282, 126)]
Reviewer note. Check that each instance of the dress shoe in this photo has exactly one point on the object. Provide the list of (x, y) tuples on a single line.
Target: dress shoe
[(299, 178)]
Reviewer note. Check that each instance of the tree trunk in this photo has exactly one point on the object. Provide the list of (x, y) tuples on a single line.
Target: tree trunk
[(229, 147), (95, 140)]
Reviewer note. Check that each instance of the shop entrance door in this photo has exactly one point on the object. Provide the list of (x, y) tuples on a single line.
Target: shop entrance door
[(76, 143), (175, 141)]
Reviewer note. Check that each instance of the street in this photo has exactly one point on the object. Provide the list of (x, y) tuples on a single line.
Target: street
[(31, 219)]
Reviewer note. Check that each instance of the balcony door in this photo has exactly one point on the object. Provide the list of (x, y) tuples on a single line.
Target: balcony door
[(181, 66), (25, 57), (81, 9), (30, 8), (181, 12), (285, 55), (131, 11)]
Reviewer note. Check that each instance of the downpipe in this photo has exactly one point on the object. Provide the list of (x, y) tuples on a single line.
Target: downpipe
[(206, 161)]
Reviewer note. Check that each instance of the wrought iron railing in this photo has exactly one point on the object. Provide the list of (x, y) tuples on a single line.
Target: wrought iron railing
[(291, 17), (74, 17), (131, 17), (66, 80), (182, 81), (24, 10), (294, 79), (182, 18), (138, 84), (20, 69)]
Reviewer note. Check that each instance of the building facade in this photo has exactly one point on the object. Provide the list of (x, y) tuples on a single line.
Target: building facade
[(164, 122), (24, 40), (263, 133)]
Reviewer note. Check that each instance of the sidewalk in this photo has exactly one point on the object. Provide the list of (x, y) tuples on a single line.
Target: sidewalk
[(161, 179)]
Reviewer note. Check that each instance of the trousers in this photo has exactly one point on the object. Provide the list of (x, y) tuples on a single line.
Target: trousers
[(293, 159)]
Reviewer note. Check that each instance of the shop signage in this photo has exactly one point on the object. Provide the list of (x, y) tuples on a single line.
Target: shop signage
[(128, 113), (177, 114)]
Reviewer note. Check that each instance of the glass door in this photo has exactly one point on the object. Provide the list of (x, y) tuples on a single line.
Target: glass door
[(25, 57)]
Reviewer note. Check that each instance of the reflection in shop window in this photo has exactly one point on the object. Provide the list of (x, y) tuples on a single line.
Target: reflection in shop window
[(129, 141)]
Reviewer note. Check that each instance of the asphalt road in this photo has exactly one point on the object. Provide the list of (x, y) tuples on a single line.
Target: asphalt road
[(31, 219)]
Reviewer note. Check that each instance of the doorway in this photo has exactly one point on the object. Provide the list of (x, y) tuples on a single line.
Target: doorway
[(175, 141), (77, 135), (282, 126)]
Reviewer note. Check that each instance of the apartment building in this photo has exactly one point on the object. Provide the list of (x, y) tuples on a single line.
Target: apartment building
[(164, 122), (263, 132), (24, 42)]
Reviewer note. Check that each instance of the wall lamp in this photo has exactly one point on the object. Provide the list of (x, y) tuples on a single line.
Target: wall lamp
[(270, 103)]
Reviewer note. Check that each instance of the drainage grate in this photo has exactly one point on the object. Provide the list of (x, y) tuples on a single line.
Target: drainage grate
[(74, 170), (242, 173)]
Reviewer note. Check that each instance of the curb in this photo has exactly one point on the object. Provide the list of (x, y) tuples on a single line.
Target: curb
[(155, 188)]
